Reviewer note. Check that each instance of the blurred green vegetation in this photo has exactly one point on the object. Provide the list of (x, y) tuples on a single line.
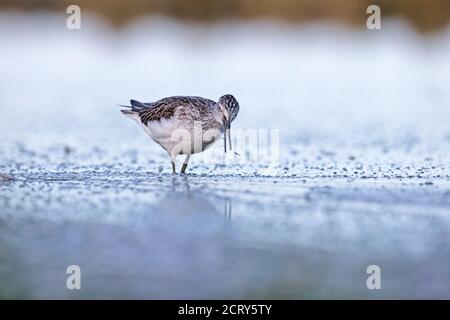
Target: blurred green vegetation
[(426, 15)]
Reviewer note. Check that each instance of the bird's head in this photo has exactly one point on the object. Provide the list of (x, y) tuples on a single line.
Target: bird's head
[(229, 108)]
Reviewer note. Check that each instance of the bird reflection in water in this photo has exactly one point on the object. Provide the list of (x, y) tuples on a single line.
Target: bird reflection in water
[(184, 199)]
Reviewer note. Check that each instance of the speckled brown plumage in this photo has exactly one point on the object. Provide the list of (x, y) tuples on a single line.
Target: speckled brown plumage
[(165, 108), (186, 109)]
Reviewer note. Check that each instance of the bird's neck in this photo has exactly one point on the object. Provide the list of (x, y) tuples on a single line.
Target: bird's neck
[(218, 115)]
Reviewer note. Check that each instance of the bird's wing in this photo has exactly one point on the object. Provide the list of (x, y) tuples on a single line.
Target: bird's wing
[(138, 105), (165, 108)]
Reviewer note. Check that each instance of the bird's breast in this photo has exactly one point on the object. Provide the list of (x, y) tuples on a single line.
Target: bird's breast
[(188, 136)]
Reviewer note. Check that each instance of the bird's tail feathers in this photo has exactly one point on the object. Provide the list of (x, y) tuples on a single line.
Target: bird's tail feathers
[(134, 110), (128, 112)]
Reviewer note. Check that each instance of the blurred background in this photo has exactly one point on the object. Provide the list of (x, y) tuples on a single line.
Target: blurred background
[(429, 15), (364, 156), (304, 59)]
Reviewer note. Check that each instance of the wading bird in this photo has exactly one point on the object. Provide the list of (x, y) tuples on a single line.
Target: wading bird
[(185, 124)]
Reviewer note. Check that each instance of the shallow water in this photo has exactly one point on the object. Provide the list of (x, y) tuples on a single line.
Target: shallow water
[(143, 235), (362, 176)]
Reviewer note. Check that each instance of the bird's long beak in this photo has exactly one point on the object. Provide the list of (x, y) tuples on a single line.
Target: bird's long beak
[(226, 133), (229, 134)]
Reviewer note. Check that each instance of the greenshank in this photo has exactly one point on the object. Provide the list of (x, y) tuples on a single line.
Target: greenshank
[(185, 124)]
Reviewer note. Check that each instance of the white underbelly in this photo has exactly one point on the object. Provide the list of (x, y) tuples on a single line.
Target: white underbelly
[(178, 140)]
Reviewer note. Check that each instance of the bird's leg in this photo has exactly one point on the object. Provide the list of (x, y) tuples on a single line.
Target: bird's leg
[(173, 168), (185, 163)]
